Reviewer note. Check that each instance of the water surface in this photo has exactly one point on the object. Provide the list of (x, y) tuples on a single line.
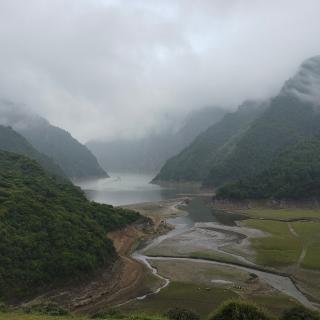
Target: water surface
[(129, 188)]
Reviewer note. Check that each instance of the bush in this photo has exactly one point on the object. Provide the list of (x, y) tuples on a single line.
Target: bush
[(3, 307), (181, 314), (237, 310), (107, 314), (300, 313), (50, 308)]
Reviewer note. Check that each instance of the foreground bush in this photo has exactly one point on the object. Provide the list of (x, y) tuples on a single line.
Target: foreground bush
[(181, 314), (237, 310), (300, 313)]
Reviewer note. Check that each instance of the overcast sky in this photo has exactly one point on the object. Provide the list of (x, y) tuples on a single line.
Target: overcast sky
[(102, 68)]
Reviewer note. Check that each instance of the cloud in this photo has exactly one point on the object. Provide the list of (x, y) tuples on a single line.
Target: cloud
[(104, 68)]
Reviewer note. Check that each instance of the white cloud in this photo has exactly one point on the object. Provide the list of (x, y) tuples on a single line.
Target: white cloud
[(110, 68)]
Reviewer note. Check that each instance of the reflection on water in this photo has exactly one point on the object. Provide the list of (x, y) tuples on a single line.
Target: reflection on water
[(199, 211), (126, 188)]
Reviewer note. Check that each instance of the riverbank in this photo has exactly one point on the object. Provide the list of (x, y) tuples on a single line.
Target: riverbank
[(181, 248)]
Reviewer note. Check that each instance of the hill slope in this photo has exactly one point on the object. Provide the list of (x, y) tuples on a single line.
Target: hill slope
[(212, 146), (12, 141), (292, 115), (50, 233), (294, 174), (73, 157)]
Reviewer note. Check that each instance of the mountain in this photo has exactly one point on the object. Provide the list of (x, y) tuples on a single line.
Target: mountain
[(293, 115), (12, 141), (210, 147), (73, 157), (50, 233), (293, 174), (149, 153)]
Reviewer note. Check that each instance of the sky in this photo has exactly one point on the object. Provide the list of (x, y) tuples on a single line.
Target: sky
[(104, 69)]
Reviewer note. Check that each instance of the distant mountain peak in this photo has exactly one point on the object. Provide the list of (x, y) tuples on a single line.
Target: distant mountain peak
[(305, 84)]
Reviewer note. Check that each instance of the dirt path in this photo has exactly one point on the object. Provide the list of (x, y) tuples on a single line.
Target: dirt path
[(293, 232)]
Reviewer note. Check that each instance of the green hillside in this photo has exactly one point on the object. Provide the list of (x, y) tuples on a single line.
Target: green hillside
[(12, 141), (294, 174), (73, 157), (285, 122), (210, 147), (49, 231)]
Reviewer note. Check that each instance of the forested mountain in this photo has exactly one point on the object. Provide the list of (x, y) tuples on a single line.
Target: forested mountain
[(210, 147), (73, 157), (12, 141), (292, 115), (50, 233), (246, 142), (149, 153), (293, 174)]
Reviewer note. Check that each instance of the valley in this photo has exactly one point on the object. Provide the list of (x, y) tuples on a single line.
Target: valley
[(218, 255)]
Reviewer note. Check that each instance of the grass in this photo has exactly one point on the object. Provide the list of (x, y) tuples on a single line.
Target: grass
[(309, 233), (282, 213), (201, 299), (281, 248), (24, 316), (275, 303)]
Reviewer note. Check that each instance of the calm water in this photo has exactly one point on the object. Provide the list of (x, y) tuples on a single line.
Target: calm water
[(124, 188), (127, 188)]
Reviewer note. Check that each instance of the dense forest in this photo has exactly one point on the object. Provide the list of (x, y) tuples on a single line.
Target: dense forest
[(263, 151), (74, 158), (49, 231), (294, 174), (12, 141), (284, 123), (210, 147)]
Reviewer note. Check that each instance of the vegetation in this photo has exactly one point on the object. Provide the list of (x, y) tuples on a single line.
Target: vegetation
[(300, 313), (294, 174), (12, 141), (73, 157), (281, 248), (181, 314), (201, 299), (287, 243), (237, 310), (230, 310), (284, 123), (49, 231), (210, 147), (283, 214)]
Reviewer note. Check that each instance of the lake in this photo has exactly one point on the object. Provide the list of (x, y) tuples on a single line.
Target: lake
[(129, 188)]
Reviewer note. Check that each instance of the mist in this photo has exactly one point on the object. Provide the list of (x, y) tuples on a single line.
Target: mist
[(104, 69)]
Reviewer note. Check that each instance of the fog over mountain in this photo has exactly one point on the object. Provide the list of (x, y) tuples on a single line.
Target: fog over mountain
[(104, 68)]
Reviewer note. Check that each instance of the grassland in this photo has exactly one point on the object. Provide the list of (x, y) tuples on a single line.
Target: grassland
[(281, 248), (282, 213), (25, 316), (201, 299), (288, 243)]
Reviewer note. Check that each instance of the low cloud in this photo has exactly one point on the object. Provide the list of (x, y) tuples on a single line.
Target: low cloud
[(104, 69)]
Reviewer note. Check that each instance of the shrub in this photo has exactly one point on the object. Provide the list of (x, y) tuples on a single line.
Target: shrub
[(300, 313), (237, 310), (49, 308), (181, 314)]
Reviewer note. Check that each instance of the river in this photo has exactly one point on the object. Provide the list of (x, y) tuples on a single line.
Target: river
[(123, 189)]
